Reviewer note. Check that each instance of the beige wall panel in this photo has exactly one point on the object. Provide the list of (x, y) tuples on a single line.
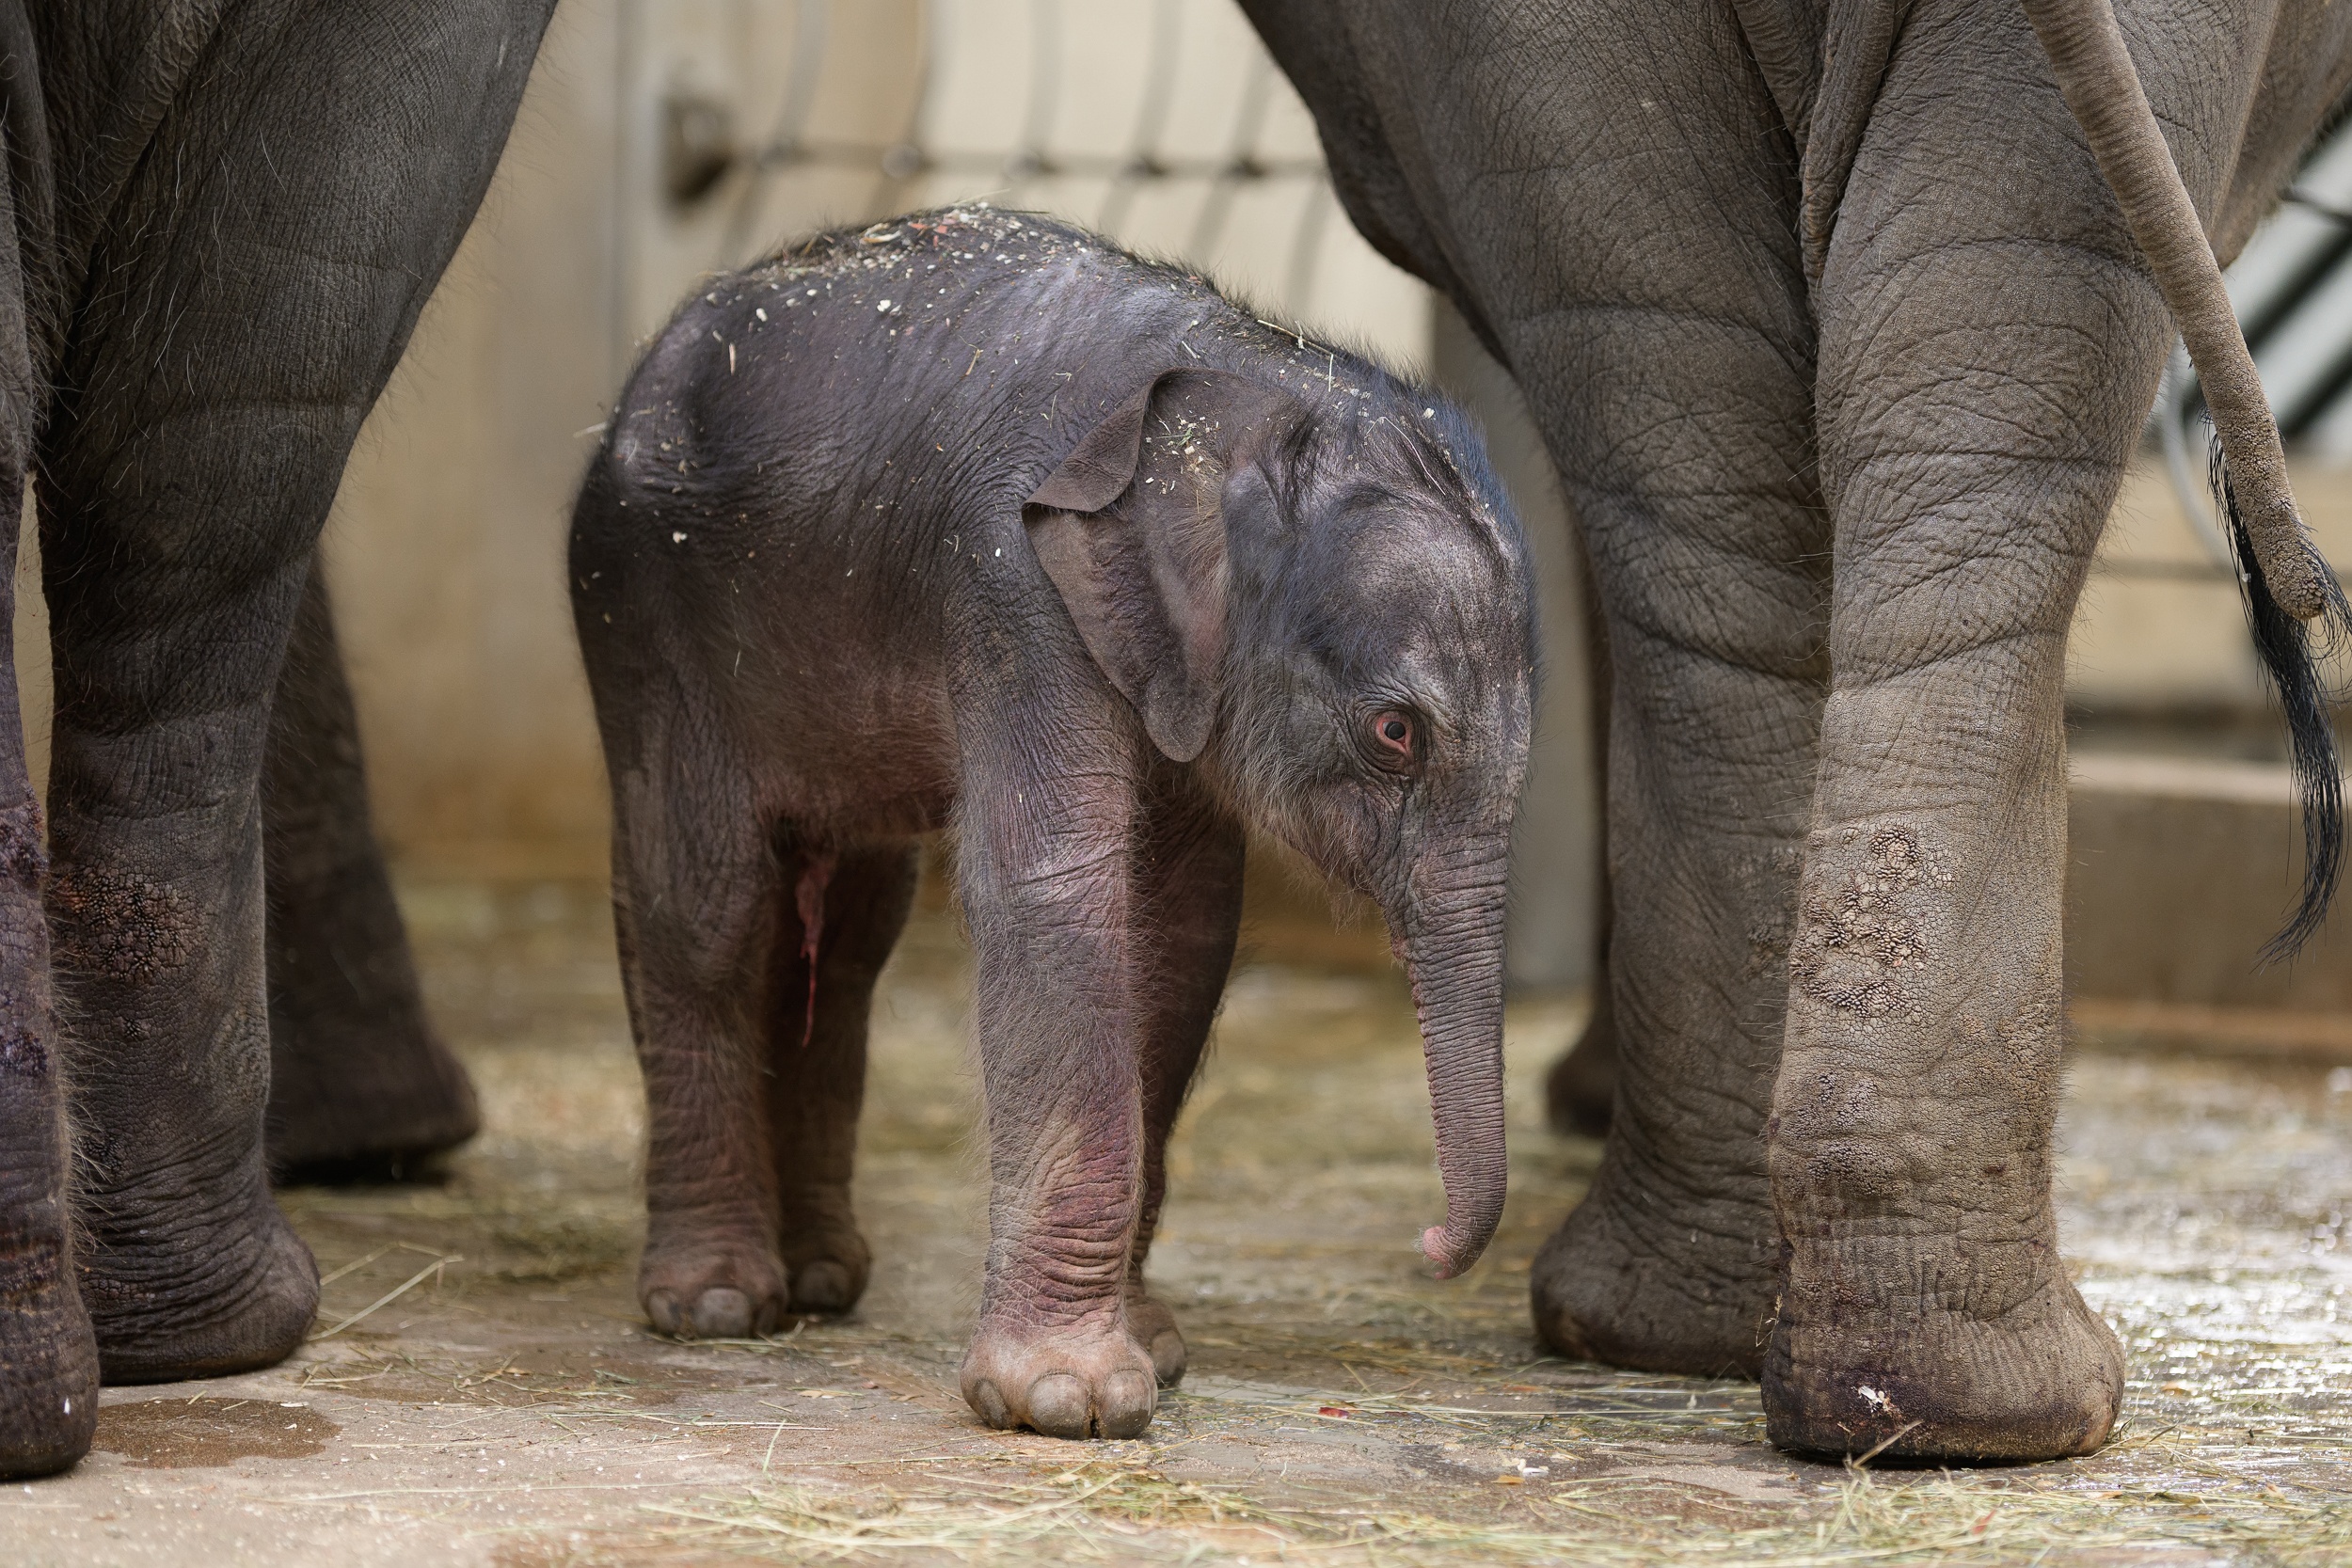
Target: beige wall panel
[(2161, 627)]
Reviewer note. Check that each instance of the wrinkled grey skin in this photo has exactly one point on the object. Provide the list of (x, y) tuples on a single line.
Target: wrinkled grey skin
[(971, 521), (217, 224), (1840, 343)]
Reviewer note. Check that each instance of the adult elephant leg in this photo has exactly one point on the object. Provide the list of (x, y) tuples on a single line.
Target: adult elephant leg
[(1667, 354), (361, 1085), (48, 1359), (1990, 345), (256, 260)]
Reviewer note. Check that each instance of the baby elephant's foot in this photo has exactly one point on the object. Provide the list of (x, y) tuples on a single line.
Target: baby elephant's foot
[(1153, 1326), (828, 1262), (712, 1290), (1082, 1381)]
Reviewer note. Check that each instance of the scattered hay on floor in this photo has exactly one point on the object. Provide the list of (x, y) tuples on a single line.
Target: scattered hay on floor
[(1081, 1511), (1113, 1512)]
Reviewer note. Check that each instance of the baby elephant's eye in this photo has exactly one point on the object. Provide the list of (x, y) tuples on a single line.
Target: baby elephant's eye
[(1392, 735)]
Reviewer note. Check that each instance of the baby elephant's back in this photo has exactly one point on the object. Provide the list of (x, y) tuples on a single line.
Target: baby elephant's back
[(872, 406), (751, 401), (797, 501)]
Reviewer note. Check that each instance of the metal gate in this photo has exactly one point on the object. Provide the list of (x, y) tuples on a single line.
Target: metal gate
[(1160, 122)]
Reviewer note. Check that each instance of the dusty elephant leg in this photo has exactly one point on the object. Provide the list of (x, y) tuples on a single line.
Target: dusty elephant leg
[(48, 1358), (360, 1086), (1667, 354), (1972, 452), (697, 902), (156, 905), (48, 1355), (816, 1057), (1192, 902), (266, 216)]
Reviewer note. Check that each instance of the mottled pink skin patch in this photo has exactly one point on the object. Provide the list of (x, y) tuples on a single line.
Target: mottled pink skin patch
[(809, 896)]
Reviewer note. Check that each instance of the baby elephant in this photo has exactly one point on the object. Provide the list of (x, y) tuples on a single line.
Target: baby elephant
[(971, 521)]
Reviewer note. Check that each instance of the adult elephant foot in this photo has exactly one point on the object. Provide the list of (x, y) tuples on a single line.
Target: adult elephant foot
[(1635, 1278), (1924, 1313), (361, 1087), (1854, 1367), (331, 1131), (48, 1358), (186, 1280), (190, 1270), (48, 1368)]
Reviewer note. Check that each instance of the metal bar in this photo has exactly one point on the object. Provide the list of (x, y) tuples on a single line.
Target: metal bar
[(1030, 157), (903, 163), (1159, 96), (1095, 165), (810, 34), (1306, 249), (2324, 208), (1242, 163)]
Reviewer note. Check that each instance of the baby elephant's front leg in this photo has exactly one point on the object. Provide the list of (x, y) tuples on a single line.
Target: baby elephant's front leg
[(1058, 1062)]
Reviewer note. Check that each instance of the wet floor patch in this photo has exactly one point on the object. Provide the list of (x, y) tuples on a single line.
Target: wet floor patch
[(199, 1433)]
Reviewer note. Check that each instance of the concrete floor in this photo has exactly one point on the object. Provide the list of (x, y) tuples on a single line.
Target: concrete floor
[(482, 1390)]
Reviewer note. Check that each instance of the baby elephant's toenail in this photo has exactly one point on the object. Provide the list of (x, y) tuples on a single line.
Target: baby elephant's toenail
[(723, 1313), (1126, 1404), (1059, 1406), (1167, 1357), (990, 1402), (821, 1287)]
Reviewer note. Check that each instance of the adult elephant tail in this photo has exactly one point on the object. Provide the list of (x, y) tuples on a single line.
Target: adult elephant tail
[(2096, 72), (2287, 581)]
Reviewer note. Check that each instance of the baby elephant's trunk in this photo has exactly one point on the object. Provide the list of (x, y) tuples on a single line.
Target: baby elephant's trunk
[(1451, 937)]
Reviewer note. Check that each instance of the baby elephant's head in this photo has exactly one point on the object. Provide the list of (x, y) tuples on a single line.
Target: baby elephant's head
[(1326, 599)]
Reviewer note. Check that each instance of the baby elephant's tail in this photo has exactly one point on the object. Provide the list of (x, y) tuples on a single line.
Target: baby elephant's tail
[(2287, 582)]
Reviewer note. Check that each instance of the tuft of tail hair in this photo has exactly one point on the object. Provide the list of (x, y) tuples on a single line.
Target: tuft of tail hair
[(2290, 655)]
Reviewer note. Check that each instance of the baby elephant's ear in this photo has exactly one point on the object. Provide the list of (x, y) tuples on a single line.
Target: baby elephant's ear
[(1131, 529)]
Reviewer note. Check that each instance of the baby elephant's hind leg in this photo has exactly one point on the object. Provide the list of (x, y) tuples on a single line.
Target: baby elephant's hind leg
[(1192, 900), (696, 900), (846, 911)]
